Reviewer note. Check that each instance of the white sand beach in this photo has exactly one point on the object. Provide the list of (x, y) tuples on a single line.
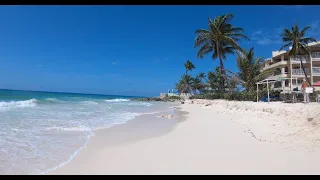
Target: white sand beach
[(215, 137)]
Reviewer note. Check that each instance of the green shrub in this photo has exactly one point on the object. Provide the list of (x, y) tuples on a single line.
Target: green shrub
[(245, 96), (236, 96)]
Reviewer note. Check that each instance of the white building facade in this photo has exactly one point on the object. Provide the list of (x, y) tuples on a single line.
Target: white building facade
[(288, 70)]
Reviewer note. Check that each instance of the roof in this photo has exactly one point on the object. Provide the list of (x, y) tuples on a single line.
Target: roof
[(278, 53), (273, 80), (266, 81)]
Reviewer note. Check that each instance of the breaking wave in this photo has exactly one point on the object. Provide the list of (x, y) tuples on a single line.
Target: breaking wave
[(117, 100), (18, 104)]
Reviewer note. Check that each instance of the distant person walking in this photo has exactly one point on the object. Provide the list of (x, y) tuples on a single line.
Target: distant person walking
[(304, 86)]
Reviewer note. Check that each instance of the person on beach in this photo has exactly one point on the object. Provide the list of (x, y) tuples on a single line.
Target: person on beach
[(304, 86)]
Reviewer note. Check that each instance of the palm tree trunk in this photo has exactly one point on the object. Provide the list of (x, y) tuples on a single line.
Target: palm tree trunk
[(221, 84), (222, 73), (304, 71)]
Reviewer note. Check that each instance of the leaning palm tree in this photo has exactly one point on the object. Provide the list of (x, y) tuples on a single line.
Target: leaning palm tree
[(249, 69), (189, 66), (220, 39), (297, 40)]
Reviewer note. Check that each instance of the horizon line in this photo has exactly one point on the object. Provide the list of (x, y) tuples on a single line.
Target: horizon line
[(71, 93)]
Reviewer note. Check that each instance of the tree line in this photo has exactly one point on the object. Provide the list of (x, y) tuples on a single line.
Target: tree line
[(222, 39)]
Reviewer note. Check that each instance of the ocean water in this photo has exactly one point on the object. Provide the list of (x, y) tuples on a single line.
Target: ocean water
[(41, 131)]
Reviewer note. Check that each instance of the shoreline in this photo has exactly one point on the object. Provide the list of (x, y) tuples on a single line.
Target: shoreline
[(210, 140), (138, 120)]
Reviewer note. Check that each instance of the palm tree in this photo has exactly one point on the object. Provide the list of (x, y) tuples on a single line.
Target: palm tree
[(249, 68), (189, 66), (185, 84), (221, 38), (214, 79), (201, 75), (197, 83), (297, 40)]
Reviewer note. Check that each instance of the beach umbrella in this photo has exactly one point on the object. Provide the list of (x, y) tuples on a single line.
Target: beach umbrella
[(316, 84)]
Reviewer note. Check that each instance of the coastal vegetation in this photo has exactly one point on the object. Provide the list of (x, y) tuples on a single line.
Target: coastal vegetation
[(165, 99), (249, 69), (222, 39)]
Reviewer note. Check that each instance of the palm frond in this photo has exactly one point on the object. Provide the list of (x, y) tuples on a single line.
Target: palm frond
[(298, 41), (285, 46), (204, 50)]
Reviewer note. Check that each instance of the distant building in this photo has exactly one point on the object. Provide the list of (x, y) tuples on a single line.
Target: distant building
[(289, 72)]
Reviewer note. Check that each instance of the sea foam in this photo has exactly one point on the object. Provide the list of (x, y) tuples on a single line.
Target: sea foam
[(18, 104), (117, 100)]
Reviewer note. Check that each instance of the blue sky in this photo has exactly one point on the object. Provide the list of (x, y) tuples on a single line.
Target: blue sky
[(127, 50)]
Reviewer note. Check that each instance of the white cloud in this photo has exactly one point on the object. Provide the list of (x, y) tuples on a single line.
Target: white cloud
[(39, 65), (262, 37)]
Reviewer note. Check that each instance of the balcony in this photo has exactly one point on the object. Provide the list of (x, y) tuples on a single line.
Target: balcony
[(316, 71), (274, 65), (299, 72), (278, 76), (297, 59), (315, 56)]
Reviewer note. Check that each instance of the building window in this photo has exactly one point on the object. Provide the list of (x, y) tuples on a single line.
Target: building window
[(286, 83)]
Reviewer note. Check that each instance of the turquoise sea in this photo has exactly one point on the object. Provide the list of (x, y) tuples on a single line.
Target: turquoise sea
[(40, 131)]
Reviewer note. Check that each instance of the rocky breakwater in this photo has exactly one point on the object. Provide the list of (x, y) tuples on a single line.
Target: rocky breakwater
[(164, 99)]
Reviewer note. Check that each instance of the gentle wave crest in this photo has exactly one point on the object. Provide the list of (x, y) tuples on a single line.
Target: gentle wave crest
[(140, 104), (89, 102), (18, 104), (46, 132), (51, 99), (117, 100), (81, 128)]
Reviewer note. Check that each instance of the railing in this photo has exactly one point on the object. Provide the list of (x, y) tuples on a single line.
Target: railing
[(316, 55), (298, 59), (316, 71), (299, 71), (274, 65)]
